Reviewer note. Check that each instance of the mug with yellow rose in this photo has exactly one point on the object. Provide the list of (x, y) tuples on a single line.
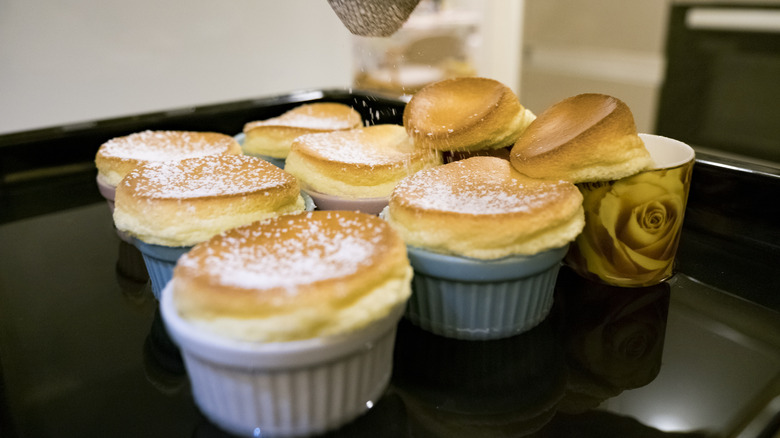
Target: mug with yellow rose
[(633, 225)]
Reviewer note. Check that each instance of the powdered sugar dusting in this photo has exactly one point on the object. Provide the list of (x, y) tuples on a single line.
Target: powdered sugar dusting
[(315, 116), (166, 145), (373, 146), (476, 191), (206, 176), (307, 121), (287, 252)]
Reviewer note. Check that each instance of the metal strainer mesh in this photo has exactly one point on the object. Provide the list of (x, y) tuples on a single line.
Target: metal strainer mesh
[(376, 18)]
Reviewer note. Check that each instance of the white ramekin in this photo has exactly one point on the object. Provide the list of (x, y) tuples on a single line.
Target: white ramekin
[(325, 201), (284, 388)]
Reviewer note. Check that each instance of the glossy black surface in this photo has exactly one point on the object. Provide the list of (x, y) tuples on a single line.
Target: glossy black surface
[(83, 352), (732, 235)]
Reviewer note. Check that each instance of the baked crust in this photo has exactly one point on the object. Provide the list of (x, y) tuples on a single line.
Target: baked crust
[(465, 114), (181, 203), (294, 277), (118, 156), (584, 138), (273, 137), (359, 163), (482, 208)]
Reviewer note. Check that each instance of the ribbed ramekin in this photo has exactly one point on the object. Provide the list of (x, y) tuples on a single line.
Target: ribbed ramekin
[(472, 299), (284, 388), (325, 201), (160, 261)]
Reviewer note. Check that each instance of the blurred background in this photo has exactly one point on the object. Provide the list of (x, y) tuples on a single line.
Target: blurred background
[(81, 60)]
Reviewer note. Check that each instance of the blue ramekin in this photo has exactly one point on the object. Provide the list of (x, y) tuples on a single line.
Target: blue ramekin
[(473, 299), (160, 261)]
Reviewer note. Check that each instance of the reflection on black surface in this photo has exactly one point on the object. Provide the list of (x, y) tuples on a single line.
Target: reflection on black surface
[(163, 364), (455, 388), (600, 424), (132, 276), (130, 263), (387, 419), (205, 429), (613, 337)]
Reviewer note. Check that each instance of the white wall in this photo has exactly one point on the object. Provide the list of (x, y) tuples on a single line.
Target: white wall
[(614, 47), (71, 61), (78, 60)]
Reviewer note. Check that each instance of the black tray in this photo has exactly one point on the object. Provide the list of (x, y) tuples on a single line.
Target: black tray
[(83, 352)]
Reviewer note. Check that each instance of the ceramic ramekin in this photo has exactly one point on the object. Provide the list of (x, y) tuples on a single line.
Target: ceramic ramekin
[(332, 202), (472, 299), (160, 261), (284, 388)]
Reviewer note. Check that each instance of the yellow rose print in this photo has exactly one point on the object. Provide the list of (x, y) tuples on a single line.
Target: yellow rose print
[(632, 227)]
